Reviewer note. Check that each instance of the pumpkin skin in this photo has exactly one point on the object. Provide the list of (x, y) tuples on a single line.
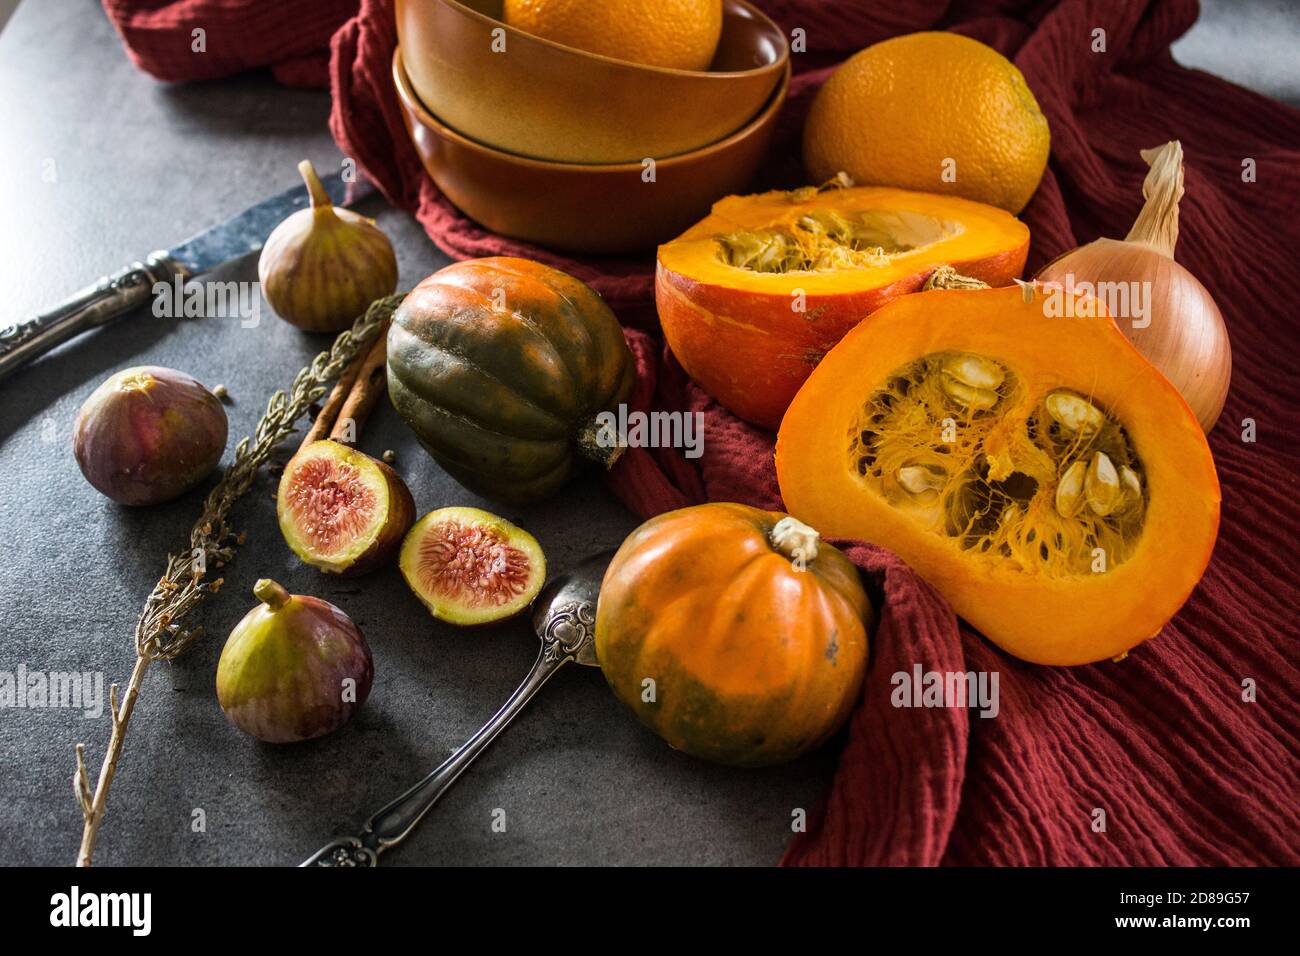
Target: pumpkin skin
[(500, 367), (737, 331), (1042, 617), (754, 662)]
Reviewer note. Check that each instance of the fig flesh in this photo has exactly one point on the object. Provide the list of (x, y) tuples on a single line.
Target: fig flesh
[(471, 567), (148, 434), (294, 668), (340, 510), (323, 266)]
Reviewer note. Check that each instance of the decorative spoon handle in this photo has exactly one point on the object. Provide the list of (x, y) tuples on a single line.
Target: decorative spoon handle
[(569, 632)]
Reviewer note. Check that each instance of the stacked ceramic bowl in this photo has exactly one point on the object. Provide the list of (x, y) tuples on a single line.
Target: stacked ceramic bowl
[(574, 150)]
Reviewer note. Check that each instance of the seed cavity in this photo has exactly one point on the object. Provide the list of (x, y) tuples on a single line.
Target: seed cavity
[(1034, 483), (825, 240)]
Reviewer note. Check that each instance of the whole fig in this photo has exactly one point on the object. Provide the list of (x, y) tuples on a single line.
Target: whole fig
[(148, 434), (294, 668), (323, 266)]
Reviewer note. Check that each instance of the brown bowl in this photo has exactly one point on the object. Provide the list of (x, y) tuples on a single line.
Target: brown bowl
[(575, 207), (548, 101)]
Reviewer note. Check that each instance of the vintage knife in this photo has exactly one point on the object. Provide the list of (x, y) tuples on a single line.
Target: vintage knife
[(132, 287)]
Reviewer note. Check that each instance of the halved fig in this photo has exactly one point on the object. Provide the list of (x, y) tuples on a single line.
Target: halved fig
[(470, 567), (341, 510)]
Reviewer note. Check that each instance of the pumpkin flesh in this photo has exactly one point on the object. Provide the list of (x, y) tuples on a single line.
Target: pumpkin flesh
[(1065, 535), (753, 661), (753, 296)]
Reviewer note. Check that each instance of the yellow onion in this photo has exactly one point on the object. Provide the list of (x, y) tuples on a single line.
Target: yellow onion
[(323, 266), (1180, 330)]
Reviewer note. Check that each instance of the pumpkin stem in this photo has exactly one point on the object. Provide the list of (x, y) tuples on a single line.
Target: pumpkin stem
[(946, 277), (795, 540), (597, 442), (1157, 224)]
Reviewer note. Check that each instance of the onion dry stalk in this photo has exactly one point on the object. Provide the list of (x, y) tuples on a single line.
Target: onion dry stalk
[(1162, 308)]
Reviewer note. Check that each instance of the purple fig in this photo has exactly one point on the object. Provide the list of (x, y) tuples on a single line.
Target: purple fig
[(294, 668), (149, 434)]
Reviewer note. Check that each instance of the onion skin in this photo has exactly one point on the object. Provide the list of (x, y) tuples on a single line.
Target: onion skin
[(281, 673), (1184, 335), (148, 435)]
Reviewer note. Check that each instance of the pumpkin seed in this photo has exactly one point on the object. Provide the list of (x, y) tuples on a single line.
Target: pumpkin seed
[(918, 479), (1101, 485), (963, 394), (1069, 490), (1129, 480), (972, 380), (975, 371), (1132, 485), (1076, 415)]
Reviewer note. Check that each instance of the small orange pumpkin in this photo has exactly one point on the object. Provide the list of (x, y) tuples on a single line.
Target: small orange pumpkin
[(1022, 455), (733, 633)]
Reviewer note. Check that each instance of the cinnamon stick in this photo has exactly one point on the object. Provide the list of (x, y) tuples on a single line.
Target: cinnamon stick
[(371, 380), (332, 412)]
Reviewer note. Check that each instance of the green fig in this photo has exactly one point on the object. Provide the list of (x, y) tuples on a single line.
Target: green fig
[(294, 668), (323, 266)]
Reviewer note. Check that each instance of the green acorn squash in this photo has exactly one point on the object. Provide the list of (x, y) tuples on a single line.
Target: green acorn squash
[(500, 367)]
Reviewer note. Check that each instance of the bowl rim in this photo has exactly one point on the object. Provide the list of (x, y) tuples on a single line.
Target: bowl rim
[(783, 58), (410, 99)]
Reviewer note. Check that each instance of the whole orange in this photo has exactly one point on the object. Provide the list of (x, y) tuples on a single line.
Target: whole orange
[(679, 34), (935, 112)]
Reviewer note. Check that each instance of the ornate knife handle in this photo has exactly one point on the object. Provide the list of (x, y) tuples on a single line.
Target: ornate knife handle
[(570, 632), (95, 305)]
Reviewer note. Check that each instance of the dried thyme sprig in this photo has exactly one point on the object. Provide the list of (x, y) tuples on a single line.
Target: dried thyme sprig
[(160, 634)]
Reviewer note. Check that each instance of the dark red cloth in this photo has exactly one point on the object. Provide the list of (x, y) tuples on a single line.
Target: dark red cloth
[(1185, 771), (290, 36)]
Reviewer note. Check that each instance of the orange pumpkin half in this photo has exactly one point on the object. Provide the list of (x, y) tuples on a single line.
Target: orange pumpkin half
[(1021, 455), (752, 297), (733, 633)]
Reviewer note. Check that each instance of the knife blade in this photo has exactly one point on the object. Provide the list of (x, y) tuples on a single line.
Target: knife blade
[(131, 287)]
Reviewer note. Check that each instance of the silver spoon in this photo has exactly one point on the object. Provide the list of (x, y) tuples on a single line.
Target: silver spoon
[(564, 616)]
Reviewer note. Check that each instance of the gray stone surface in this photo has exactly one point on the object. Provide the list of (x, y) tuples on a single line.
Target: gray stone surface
[(139, 165)]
